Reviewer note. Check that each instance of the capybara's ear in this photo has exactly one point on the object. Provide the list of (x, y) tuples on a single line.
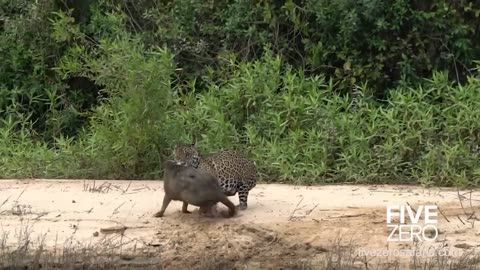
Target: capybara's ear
[(168, 162)]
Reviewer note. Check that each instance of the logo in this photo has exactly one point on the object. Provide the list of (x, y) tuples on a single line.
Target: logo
[(414, 229)]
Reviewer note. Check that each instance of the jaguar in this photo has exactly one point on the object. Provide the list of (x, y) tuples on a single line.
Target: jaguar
[(234, 171)]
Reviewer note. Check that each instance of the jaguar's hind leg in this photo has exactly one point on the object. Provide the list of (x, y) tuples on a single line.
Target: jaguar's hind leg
[(242, 197), (229, 187)]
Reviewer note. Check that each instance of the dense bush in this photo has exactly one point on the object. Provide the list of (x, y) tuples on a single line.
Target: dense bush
[(315, 91), (351, 41), (297, 127)]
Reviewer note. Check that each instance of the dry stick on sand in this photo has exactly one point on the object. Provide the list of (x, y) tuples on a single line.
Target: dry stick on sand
[(461, 203), (415, 212), (308, 212), (458, 216), (4, 202), (350, 216), (471, 206), (294, 210), (472, 216), (116, 229), (20, 195), (116, 209), (311, 210), (129, 183), (469, 215), (441, 213)]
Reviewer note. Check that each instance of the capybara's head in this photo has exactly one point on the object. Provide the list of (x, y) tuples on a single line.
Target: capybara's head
[(173, 165)]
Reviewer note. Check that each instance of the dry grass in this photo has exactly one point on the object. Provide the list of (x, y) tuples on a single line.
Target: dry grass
[(345, 261), (103, 188), (28, 253), (343, 258)]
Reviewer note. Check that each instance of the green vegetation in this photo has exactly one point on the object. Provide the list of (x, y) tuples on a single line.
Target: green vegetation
[(315, 91)]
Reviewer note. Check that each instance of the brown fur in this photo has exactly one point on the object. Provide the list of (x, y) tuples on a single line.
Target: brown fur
[(192, 186)]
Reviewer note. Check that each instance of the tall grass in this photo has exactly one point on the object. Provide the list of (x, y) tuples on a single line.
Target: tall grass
[(296, 127)]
